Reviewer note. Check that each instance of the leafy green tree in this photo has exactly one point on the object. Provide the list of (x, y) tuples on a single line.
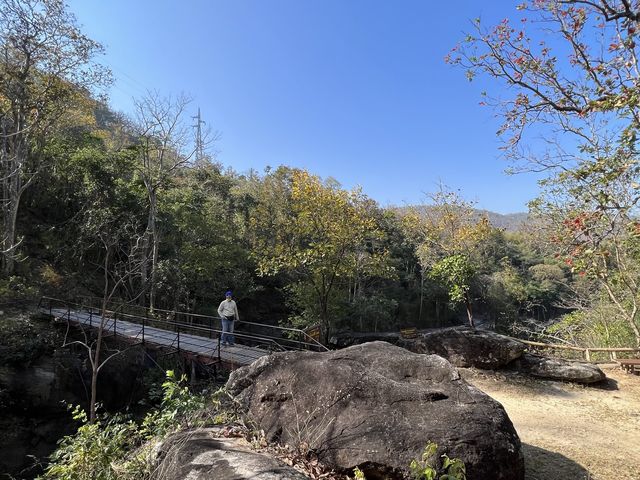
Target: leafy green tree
[(316, 232), (455, 272), (205, 251), (506, 292), (448, 235), (46, 67)]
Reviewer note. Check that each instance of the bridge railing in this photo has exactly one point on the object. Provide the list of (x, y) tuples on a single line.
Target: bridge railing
[(200, 325), (289, 338), (112, 325)]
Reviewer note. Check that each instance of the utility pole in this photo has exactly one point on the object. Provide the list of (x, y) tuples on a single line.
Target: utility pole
[(199, 142)]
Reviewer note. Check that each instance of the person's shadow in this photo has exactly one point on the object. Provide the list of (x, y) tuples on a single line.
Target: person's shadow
[(541, 464)]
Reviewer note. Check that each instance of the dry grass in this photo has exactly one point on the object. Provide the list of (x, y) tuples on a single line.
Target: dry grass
[(570, 431)]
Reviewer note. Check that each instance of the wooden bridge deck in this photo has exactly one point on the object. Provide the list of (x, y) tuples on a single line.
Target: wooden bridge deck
[(237, 355)]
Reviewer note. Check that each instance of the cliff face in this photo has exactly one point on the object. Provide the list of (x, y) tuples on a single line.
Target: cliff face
[(36, 384), (39, 380)]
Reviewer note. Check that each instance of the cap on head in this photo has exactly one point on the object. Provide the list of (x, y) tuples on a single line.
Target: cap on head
[(228, 294)]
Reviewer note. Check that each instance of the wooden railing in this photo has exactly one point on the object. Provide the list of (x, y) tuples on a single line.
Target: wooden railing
[(586, 351), (272, 336)]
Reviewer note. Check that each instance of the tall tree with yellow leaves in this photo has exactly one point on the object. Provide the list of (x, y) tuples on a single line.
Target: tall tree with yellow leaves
[(317, 232)]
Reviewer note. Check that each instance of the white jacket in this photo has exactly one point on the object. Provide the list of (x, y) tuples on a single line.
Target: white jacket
[(228, 308)]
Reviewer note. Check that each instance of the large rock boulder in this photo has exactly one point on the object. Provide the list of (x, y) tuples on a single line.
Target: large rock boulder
[(377, 406), (205, 454), (467, 347), (559, 369), (347, 339)]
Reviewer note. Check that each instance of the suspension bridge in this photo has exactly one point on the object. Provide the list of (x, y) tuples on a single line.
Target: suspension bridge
[(193, 336)]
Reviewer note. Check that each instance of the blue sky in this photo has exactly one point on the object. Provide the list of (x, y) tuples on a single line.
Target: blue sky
[(353, 89)]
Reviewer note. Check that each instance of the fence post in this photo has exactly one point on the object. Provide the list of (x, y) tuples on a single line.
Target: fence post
[(178, 340), (144, 320), (587, 354), (90, 317)]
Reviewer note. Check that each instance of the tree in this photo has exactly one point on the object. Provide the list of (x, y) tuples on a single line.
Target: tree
[(584, 101), (447, 236), (588, 89), (108, 231), (595, 238), (316, 232), (205, 250), (116, 236), (163, 147), (46, 64)]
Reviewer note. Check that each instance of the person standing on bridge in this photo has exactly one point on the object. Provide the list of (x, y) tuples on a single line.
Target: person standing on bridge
[(228, 311)]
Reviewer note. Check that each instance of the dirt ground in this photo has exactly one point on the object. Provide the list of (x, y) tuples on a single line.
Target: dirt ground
[(569, 431)]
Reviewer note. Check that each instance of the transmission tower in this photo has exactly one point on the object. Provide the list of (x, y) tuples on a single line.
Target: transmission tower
[(199, 142)]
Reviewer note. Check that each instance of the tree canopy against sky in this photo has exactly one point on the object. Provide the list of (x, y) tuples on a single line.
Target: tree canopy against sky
[(580, 91), (46, 63), (355, 90)]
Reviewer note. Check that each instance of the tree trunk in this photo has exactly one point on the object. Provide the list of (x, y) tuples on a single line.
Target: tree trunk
[(95, 363), (153, 229), (467, 302), (324, 319), (421, 296), (14, 156), (10, 218)]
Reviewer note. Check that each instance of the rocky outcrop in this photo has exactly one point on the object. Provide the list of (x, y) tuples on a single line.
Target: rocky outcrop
[(467, 347), (559, 369), (376, 406), (205, 454), (347, 339)]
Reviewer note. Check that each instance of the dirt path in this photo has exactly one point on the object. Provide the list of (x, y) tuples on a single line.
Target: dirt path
[(569, 431)]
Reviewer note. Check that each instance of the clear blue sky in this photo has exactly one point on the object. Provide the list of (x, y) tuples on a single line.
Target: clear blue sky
[(353, 89)]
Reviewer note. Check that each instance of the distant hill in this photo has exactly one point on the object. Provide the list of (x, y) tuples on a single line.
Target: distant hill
[(510, 222)]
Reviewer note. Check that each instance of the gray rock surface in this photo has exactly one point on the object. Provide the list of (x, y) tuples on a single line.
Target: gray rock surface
[(376, 406), (559, 369), (467, 347), (347, 339), (204, 454)]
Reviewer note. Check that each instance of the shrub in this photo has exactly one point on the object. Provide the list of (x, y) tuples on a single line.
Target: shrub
[(115, 447), (426, 468)]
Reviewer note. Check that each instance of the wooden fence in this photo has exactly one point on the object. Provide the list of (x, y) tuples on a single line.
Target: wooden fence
[(585, 351)]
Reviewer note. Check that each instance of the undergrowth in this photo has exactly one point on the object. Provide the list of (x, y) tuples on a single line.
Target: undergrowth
[(117, 447)]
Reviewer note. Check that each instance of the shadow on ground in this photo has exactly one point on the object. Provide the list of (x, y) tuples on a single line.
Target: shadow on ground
[(608, 384), (526, 384), (541, 464)]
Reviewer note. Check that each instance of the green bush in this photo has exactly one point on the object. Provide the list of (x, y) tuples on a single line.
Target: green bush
[(115, 447), (16, 289), (599, 326), (23, 340), (426, 468), (94, 451)]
